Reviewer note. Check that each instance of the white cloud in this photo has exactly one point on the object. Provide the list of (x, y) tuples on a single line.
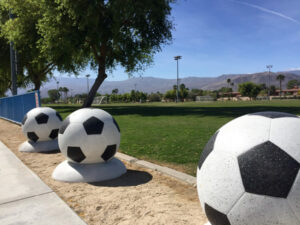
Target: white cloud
[(293, 69), (268, 11)]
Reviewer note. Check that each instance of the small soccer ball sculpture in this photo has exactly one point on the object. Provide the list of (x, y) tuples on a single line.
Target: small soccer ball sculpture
[(41, 125), (248, 173), (89, 138)]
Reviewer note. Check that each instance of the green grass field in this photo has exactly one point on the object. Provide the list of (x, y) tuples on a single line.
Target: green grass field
[(174, 134)]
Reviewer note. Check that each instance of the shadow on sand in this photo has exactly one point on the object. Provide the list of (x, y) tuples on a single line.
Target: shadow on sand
[(51, 152), (131, 178)]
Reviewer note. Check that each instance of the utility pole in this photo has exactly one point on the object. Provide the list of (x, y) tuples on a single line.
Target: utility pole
[(269, 67), (13, 64), (177, 58), (87, 83)]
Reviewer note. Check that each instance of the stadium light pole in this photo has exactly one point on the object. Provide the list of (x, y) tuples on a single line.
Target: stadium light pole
[(87, 83), (13, 64), (269, 68), (177, 58)]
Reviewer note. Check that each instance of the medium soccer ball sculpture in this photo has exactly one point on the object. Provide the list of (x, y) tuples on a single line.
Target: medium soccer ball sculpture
[(89, 138), (248, 173), (41, 125)]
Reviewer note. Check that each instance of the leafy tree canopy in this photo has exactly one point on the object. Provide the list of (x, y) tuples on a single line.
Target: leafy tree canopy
[(54, 95), (249, 89), (23, 32), (104, 34), (292, 83)]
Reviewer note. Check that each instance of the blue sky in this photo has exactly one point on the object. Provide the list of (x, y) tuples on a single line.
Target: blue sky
[(217, 37)]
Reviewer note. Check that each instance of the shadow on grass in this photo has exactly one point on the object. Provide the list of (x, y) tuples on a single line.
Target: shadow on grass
[(131, 178), (222, 111)]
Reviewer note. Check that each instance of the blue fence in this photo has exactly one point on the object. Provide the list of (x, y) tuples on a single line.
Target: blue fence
[(15, 107)]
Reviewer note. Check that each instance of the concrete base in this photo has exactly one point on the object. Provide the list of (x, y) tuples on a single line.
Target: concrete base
[(41, 146), (75, 172)]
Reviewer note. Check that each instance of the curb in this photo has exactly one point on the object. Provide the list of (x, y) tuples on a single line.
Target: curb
[(164, 170)]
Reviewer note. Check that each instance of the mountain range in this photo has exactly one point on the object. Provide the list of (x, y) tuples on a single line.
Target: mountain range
[(152, 84)]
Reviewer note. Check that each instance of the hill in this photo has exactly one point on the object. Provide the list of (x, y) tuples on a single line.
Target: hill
[(151, 84)]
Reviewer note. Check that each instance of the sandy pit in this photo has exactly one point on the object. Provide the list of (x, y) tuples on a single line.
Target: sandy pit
[(141, 196)]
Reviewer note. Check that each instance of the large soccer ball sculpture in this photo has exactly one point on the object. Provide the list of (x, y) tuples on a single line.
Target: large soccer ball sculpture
[(41, 126), (89, 138), (248, 173)]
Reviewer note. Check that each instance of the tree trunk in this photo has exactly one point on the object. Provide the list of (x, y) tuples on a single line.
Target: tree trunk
[(99, 80), (280, 88), (37, 85)]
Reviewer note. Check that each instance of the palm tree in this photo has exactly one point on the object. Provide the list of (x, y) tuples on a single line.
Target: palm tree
[(232, 84), (228, 82), (280, 77)]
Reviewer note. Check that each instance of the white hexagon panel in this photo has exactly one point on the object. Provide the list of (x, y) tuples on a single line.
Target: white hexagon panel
[(248, 172), (89, 136), (41, 124)]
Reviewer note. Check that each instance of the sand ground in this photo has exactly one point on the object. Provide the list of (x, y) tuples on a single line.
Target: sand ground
[(140, 197)]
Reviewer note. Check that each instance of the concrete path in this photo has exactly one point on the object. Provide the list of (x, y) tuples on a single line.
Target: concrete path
[(26, 200)]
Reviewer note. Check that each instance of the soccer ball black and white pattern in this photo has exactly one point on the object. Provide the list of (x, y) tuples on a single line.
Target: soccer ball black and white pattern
[(248, 172), (89, 136), (41, 124)]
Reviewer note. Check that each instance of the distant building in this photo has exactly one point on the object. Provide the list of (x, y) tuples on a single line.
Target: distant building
[(204, 98), (294, 91)]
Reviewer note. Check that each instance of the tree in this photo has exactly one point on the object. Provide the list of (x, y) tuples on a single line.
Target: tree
[(194, 93), (5, 79), (280, 77), (54, 95), (171, 94), (183, 91), (23, 32), (272, 90), (249, 89), (228, 82), (154, 97), (5, 74), (104, 34), (65, 90), (115, 91), (263, 86), (293, 83)]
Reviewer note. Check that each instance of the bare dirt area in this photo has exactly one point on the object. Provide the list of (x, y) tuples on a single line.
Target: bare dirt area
[(141, 196)]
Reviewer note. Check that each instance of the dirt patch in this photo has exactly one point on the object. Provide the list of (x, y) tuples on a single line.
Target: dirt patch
[(141, 196)]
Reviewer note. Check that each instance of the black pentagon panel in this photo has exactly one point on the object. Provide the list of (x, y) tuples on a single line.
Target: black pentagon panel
[(24, 119), (58, 116), (268, 170), (116, 124), (42, 118), (109, 152), (32, 136), (75, 154), (54, 134), (274, 115), (64, 125), (93, 126), (207, 149), (215, 217)]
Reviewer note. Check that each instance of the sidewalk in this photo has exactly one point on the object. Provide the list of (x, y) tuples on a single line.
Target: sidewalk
[(25, 199)]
